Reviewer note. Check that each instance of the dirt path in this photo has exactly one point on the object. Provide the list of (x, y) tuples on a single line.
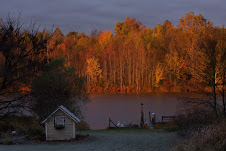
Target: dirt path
[(111, 140)]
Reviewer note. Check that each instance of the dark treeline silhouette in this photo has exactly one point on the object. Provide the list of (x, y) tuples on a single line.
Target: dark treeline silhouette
[(21, 59), (30, 80)]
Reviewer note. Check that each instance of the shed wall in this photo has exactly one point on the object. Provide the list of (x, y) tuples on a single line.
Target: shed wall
[(60, 134)]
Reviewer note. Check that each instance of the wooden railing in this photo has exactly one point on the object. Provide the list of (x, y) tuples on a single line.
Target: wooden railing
[(168, 118), (110, 121)]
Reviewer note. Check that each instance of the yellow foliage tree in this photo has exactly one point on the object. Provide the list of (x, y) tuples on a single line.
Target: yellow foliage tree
[(105, 37), (158, 75), (93, 70)]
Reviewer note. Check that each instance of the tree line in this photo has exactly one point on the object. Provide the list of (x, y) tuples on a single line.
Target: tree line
[(132, 59), (137, 59)]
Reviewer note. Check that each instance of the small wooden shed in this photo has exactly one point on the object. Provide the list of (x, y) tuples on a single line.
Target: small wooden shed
[(61, 125)]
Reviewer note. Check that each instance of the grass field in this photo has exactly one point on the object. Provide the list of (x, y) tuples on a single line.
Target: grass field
[(109, 140)]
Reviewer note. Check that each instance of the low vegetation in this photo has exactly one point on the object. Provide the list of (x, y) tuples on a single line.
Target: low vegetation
[(82, 126), (210, 137), (170, 126), (28, 128), (201, 130)]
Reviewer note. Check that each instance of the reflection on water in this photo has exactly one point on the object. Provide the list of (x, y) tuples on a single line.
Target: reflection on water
[(126, 108)]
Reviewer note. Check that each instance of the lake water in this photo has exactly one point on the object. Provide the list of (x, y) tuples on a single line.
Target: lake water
[(127, 108)]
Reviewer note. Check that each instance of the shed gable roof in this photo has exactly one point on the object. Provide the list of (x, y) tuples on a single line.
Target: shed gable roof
[(66, 111)]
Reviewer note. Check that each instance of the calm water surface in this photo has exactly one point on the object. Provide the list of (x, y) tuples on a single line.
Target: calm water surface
[(126, 108)]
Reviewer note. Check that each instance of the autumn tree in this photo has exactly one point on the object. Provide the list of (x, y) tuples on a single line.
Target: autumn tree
[(193, 23), (129, 25), (93, 70), (203, 55), (158, 75), (55, 40)]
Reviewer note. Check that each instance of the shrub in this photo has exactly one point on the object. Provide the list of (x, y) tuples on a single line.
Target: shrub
[(7, 142), (4, 126), (23, 125), (211, 137), (6, 138), (36, 132), (145, 126), (194, 120), (82, 126)]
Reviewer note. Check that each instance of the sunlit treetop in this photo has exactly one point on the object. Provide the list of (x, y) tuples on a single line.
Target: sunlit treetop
[(71, 34), (192, 22), (130, 24)]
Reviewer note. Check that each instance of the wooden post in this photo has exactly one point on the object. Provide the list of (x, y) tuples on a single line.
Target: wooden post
[(110, 121), (109, 124), (142, 115), (150, 116)]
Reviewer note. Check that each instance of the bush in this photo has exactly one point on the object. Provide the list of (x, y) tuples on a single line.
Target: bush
[(24, 125), (82, 126), (5, 125), (7, 142), (194, 120), (36, 132), (202, 130), (211, 137), (7, 138), (145, 126)]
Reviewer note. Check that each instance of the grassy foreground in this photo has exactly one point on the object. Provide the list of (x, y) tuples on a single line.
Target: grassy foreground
[(110, 140)]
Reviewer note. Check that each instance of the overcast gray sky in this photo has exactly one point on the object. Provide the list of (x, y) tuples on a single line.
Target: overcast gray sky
[(85, 15)]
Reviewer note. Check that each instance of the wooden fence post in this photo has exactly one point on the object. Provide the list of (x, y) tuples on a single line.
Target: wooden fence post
[(109, 124)]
